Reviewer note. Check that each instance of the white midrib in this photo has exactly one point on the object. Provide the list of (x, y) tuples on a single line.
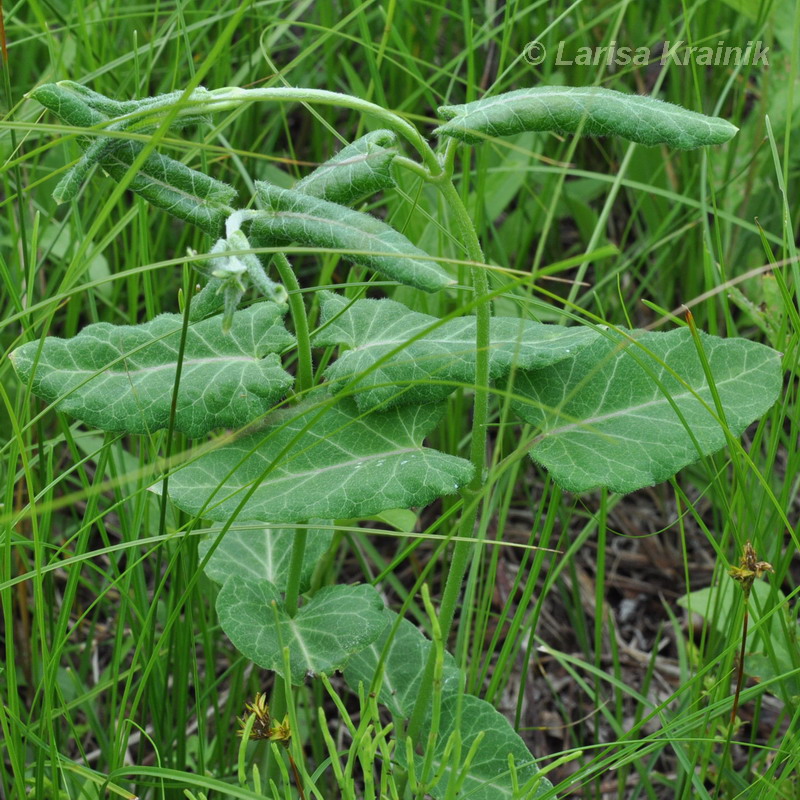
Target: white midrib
[(660, 400)]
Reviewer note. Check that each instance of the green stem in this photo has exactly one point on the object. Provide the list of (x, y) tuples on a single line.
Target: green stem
[(463, 549), (231, 97), (305, 367), (295, 571)]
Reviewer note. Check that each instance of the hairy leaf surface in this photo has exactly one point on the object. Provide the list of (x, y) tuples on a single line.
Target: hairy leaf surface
[(442, 351), (121, 377), (359, 169), (592, 110), (322, 459), (290, 215), (264, 554), (609, 417), (335, 623)]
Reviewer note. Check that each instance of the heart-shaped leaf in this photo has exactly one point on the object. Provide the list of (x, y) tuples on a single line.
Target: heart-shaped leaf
[(264, 554), (335, 623), (403, 667), (359, 169), (443, 352), (121, 377), (592, 110), (633, 408), (322, 459), (292, 216)]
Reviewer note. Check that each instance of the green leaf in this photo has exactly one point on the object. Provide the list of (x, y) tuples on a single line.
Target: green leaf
[(608, 417), (330, 462), (444, 352), (592, 110), (487, 777), (403, 670), (290, 215), (773, 645), (335, 623), (121, 377), (359, 169), (264, 554), (168, 184)]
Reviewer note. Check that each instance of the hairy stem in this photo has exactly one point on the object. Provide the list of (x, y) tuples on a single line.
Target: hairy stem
[(305, 367), (295, 570), (462, 551)]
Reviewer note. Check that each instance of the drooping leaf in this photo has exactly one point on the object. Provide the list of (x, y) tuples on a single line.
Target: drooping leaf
[(264, 554), (163, 181), (335, 623), (488, 775), (290, 215), (322, 459), (359, 169), (444, 352), (608, 416), (403, 668), (593, 110), (168, 184), (121, 377)]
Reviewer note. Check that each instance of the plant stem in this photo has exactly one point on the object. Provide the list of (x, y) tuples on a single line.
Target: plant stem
[(462, 551), (295, 570), (231, 97), (305, 368)]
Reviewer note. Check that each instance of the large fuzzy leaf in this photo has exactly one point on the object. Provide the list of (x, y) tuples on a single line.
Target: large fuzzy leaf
[(322, 459), (264, 554), (359, 169), (609, 417), (441, 352), (592, 110), (335, 623), (488, 776), (121, 377), (403, 667), (290, 215)]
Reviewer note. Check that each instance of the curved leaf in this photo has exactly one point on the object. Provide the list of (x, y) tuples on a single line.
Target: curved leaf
[(264, 554), (444, 352), (361, 168), (327, 462), (121, 377), (608, 417), (290, 215), (335, 623), (592, 110)]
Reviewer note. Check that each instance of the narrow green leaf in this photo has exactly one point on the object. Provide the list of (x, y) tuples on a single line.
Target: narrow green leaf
[(359, 169), (444, 352), (290, 215), (592, 110), (264, 554), (121, 377), (487, 776), (404, 667), (168, 184), (335, 623), (344, 465), (608, 417)]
